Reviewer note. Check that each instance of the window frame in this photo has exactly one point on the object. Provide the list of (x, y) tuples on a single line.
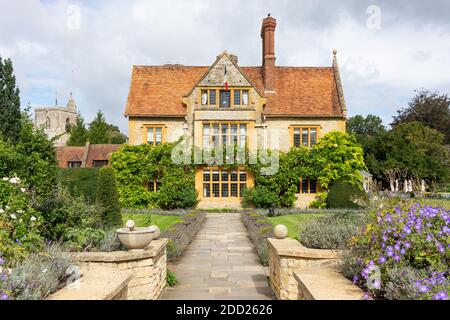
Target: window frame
[(154, 127), (221, 182), (155, 182), (218, 90), (104, 161), (308, 179), (293, 128), (69, 164), (229, 135)]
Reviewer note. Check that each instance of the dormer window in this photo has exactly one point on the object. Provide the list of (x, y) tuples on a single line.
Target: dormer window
[(224, 98), (209, 97)]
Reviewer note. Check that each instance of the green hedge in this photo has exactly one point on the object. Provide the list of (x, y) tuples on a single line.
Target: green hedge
[(80, 181)]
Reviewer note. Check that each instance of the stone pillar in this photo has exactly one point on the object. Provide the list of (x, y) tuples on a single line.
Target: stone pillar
[(147, 268), (287, 256)]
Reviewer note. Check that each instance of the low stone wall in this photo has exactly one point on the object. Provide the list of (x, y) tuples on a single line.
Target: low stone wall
[(287, 256), (146, 268), (96, 286)]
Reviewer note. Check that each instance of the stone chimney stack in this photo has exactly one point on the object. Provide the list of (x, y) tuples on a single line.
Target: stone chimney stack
[(268, 52)]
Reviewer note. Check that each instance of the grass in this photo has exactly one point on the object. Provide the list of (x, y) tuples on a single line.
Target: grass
[(292, 222), (145, 220)]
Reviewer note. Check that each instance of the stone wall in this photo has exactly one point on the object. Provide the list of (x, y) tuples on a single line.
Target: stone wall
[(93, 285), (146, 268), (288, 256)]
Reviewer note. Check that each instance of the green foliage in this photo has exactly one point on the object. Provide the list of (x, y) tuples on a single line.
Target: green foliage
[(10, 119), (98, 130), (345, 195), (20, 223), (260, 197), (320, 202), (115, 136), (108, 197), (171, 278), (369, 126), (137, 165), (331, 231), (337, 156), (38, 276), (32, 158), (80, 239), (79, 135), (61, 211), (431, 109), (259, 229), (80, 181)]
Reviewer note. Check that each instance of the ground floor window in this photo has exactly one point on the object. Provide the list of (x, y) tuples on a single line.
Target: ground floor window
[(221, 183), (307, 185)]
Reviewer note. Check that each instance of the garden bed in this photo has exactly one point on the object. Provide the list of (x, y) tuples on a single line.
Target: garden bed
[(259, 229)]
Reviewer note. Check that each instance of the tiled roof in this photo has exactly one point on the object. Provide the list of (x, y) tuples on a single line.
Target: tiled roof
[(65, 154), (302, 91)]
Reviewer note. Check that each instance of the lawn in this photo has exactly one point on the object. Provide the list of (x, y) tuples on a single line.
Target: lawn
[(293, 221), (145, 220)]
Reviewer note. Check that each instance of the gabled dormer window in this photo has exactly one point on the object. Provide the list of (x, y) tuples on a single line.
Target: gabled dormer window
[(224, 98)]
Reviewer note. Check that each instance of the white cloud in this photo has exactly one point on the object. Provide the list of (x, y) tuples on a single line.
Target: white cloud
[(380, 69)]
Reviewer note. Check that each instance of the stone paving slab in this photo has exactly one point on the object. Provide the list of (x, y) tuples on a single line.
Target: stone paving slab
[(221, 263)]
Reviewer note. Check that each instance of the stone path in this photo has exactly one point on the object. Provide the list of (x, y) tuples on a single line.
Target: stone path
[(221, 263)]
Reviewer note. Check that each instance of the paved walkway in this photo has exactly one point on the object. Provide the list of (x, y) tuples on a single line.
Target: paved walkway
[(221, 263)]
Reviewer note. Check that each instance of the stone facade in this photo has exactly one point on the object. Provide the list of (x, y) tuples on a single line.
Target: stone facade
[(147, 268), (55, 120), (279, 99), (287, 256)]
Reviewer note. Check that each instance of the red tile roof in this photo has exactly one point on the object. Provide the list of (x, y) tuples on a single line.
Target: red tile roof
[(158, 90), (95, 152)]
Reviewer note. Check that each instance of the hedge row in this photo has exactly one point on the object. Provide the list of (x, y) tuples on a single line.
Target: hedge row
[(259, 229), (181, 234)]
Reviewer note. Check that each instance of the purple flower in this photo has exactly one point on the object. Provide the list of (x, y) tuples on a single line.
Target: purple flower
[(397, 258), (446, 229), (429, 237), (407, 230), (2, 261), (407, 244), (367, 296), (355, 279), (440, 247), (403, 251), (423, 288), (397, 246), (4, 296), (441, 295), (382, 259), (390, 251)]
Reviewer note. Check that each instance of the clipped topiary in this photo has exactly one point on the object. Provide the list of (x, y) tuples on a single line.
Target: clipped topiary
[(108, 197), (346, 195)]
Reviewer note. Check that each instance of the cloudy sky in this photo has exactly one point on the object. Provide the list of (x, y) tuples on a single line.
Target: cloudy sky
[(386, 49)]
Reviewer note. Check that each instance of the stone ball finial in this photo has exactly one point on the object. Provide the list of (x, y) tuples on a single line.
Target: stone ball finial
[(280, 231), (130, 225), (334, 52)]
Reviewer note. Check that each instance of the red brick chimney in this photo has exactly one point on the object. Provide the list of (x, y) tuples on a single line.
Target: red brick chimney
[(268, 52)]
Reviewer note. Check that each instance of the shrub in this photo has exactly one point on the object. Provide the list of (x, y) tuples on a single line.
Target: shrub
[(20, 223), (330, 232), (347, 195), (38, 276), (108, 197), (320, 202), (415, 237), (259, 229), (180, 234), (171, 278), (260, 197), (80, 181), (81, 239), (61, 211)]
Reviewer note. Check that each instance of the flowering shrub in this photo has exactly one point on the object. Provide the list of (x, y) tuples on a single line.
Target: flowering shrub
[(19, 222), (413, 238)]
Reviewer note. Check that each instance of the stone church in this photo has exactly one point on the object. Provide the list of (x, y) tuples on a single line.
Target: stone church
[(56, 120), (226, 103)]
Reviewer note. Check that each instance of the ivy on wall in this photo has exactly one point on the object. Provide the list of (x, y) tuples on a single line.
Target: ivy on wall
[(336, 156)]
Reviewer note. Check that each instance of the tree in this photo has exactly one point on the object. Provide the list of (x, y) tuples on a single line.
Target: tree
[(78, 134), (99, 130), (371, 125), (115, 136), (413, 151), (431, 109), (10, 118), (337, 156), (108, 197)]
